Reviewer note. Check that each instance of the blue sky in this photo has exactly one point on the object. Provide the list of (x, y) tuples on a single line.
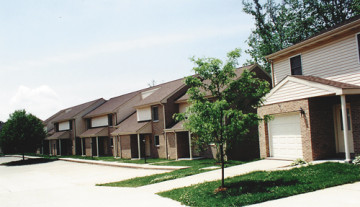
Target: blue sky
[(60, 53)]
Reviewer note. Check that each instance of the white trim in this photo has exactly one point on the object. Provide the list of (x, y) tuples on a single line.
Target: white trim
[(345, 126), (357, 46), (289, 62)]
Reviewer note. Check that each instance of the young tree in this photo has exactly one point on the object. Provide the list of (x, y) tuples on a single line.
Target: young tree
[(21, 133), (280, 25), (219, 102)]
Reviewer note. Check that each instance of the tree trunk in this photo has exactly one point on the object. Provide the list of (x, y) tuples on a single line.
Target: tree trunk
[(222, 163), (23, 155)]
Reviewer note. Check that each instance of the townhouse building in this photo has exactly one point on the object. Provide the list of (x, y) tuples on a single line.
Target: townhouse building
[(68, 124), (315, 101)]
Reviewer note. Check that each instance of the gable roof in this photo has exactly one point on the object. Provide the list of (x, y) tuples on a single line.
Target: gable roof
[(164, 91), (111, 105), (71, 112), (238, 73), (299, 87), (351, 25), (132, 126), (51, 118)]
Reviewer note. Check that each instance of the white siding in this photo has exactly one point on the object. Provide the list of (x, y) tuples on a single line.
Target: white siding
[(64, 126), (99, 121), (148, 93), (182, 107), (294, 91), (143, 114), (338, 61)]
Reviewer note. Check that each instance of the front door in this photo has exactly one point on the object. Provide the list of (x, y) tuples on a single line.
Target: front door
[(147, 145), (340, 146)]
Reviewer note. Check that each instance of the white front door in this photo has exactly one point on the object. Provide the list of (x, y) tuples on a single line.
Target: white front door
[(340, 147), (285, 136)]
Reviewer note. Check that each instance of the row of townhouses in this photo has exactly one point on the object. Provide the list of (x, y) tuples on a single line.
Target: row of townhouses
[(314, 104), (132, 125)]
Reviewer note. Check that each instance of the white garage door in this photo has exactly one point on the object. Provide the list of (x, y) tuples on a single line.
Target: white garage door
[(285, 136)]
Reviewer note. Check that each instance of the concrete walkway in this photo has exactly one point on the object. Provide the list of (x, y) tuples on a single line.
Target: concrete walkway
[(343, 195), (127, 165), (216, 175)]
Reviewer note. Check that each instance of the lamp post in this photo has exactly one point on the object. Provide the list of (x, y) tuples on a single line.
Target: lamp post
[(144, 140)]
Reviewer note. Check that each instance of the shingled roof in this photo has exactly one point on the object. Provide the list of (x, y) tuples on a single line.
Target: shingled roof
[(238, 73), (111, 105), (71, 112), (328, 82), (164, 91)]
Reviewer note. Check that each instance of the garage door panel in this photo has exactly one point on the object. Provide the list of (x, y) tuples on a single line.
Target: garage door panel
[(285, 135)]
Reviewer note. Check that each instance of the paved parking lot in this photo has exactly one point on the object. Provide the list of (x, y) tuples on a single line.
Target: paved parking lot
[(61, 183)]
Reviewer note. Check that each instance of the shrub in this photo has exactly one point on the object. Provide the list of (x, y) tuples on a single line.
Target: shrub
[(298, 161), (356, 161)]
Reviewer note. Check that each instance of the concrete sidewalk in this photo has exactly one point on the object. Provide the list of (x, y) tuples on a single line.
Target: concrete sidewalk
[(112, 164), (216, 175), (343, 195), (128, 165)]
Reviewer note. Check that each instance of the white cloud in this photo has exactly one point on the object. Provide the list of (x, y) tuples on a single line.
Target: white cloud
[(41, 101)]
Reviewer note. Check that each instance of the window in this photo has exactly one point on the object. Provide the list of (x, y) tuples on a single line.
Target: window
[(155, 113), (295, 64), (110, 120), (88, 123), (358, 43), (157, 140)]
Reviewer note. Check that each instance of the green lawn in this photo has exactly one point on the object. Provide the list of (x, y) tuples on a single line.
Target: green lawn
[(262, 186), (194, 168)]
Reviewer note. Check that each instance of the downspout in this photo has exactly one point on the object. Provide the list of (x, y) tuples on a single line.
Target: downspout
[(74, 152), (139, 151), (97, 146), (272, 74), (120, 154), (166, 141), (176, 146)]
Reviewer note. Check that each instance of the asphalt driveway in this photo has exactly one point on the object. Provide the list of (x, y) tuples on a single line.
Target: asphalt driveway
[(61, 183)]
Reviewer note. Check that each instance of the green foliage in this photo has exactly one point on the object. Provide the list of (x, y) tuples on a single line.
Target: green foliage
[(222, 106), (356, 161), (262, 186), (298, 161), (21, 133), (280, 25)]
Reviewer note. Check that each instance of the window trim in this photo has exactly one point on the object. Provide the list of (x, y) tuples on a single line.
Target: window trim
[(301, 63), (357, 38)]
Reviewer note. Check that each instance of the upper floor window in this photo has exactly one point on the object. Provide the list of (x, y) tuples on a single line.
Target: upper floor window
[(155, 113), (295, 64), (110, 119)]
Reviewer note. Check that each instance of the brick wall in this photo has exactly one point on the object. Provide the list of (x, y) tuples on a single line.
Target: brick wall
[(355, 116), (286, 107), (125, 146), (322, 126)]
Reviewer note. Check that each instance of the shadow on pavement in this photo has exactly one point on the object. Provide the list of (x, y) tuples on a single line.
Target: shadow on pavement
[(28, 162)]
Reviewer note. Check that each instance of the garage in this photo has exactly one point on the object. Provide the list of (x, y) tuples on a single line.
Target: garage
[(285, 136)]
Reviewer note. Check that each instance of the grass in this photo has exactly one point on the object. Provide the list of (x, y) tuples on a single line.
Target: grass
[(194, 168), (262, 186)]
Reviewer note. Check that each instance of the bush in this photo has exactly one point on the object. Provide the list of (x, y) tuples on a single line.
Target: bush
[(298, 161), (356, 161)]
